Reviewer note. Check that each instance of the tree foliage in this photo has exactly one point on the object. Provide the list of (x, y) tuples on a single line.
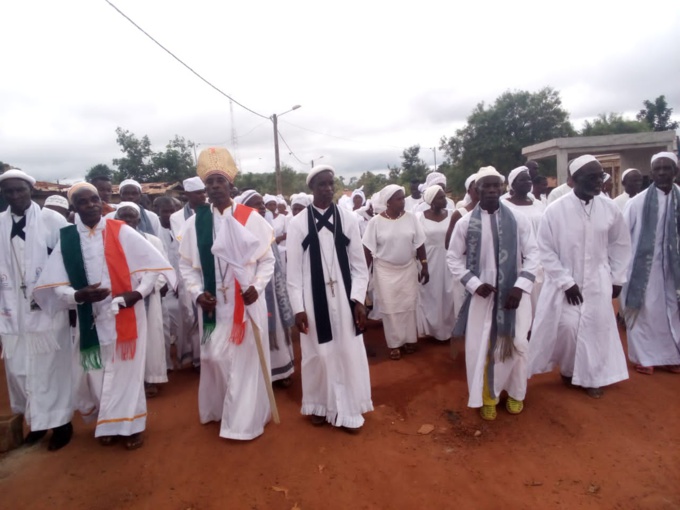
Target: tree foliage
[(291, 181), (412, 167), (657, 115), (99, 170), (141, 163), (613, 124), (494, 135), (371, 182)]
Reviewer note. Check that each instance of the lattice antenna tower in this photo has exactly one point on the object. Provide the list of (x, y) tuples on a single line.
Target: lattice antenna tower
[(234, 137)]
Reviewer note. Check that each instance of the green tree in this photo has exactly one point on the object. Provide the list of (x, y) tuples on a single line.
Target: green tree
[(371, 182), (494, 135), (613, 124), (176, 163), (657, 115), (138, 160), (412, 167), (99, 171)]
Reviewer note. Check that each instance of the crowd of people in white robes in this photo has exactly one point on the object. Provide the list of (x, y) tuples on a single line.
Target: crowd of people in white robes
[(101, 300)]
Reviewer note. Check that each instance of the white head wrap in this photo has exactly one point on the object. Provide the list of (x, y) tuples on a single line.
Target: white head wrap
[(132, 205), (280, 200), (317, 170), (468, 182), (580, 162), (302, 199), (623, 175), (56, 201), (378, 204), (15, 173), (244, 197), (431, 192), (515, 173), (435, 178), (670, 155), (489, 171), (388, 191), (422, 188), (193, 184), (130, 182), (78, 186), (360, 192), (269, 198)]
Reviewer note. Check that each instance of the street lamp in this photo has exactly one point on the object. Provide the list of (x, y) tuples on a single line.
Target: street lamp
[(312, 162), (277, 162)]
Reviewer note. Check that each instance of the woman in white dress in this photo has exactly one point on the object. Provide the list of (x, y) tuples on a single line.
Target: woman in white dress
[(392, 241), (436, 317), (520, 202)]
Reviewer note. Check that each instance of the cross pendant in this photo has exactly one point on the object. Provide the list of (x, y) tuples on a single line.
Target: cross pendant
[(23, 289), (331, 282), (223, 290)]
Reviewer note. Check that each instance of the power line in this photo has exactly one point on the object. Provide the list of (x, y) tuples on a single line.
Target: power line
[(181, 62), (290, 150)]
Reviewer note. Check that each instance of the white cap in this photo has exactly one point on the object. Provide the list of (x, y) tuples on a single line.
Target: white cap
[(623, 175), (130, 182), (317, 170), (15, 173), (56, 201), (580, 162), (489, 171), (468, 182), (246, 196), (122, 205), (670, 155), (269, 198), (192, 184)]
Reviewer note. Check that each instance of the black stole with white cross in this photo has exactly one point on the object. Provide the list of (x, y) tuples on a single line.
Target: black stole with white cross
[(315, 222)]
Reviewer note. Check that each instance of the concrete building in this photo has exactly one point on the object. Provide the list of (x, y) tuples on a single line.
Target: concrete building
[(616, 152)]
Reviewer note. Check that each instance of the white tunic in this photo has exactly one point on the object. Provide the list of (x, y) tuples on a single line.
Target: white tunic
[(114, 394), (232, 388), (38, 371), (622, 200), (156, 368), (393, 244), (558, 192), (511, 374), (590, 249), (654, 336), (411, 203), (436, 316), (335, 378)]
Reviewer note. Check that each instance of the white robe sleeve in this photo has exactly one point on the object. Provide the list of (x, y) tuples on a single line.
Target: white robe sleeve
[(619, 249), (547, 247), (189, 261), (357, 260), (529, 249), (456, 256), (294, 272)]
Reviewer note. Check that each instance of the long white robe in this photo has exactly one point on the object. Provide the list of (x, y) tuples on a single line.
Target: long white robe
[(38, 373), (393, 244), (509, 375), (411, 203), (622, 200), (558, 192), (232, 388), (114, 394), (654, 336), (436, 310), (156, 368), (592, 252), (335, 378)]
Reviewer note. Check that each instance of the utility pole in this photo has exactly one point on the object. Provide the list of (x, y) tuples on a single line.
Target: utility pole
[(277, 162), (434, 151)]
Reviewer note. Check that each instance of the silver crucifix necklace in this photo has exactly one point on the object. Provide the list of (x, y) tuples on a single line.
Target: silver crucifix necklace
[(331, 282)]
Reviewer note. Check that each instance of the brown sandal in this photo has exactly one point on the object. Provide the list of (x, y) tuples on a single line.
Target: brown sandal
[(134, 441), (395, 354), (409, 348), (107, 440)]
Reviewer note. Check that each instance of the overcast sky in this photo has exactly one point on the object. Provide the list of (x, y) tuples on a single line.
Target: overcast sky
[(372, 76)]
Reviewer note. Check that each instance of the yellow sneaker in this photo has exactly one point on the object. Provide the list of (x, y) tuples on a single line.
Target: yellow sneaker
[(514, 406), (488, 412)]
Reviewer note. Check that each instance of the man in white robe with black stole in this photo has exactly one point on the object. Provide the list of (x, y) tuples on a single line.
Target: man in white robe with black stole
[(36, 345), (105, 269), (650, 298), (584, 246), (327, 280), (493, 253), (230, 300)]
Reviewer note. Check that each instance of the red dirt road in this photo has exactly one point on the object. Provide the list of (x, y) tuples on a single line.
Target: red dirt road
[(565, 451)]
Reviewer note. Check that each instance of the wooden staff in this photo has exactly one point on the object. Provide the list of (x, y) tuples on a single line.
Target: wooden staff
[(265, 372)]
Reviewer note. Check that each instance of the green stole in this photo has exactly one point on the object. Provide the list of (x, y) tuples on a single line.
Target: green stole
[(204, 241), (72, 254)]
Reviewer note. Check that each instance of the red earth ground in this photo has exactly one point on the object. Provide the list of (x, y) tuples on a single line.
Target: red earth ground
[(565, 450)]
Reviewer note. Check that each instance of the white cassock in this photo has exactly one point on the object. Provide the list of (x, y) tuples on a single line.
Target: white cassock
[(156, 371), (534, 213), (558, 192), (335, 378), (232, 388), (458, 288), (436, 315), (179, 218), (654, 336), (621, 201), (36, 345), (411, 203), (114, 394), (393, 244), (509, 375), (587, 245)]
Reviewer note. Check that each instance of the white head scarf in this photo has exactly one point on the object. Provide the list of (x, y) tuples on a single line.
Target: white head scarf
[(431, 192), (580, 162), (388, 191), (269, 198), (670, 155), (435, 178), (360, 192), (280, 200), (515, 173), (378, 204), (469, 181), (245, 196), (302, 199)]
